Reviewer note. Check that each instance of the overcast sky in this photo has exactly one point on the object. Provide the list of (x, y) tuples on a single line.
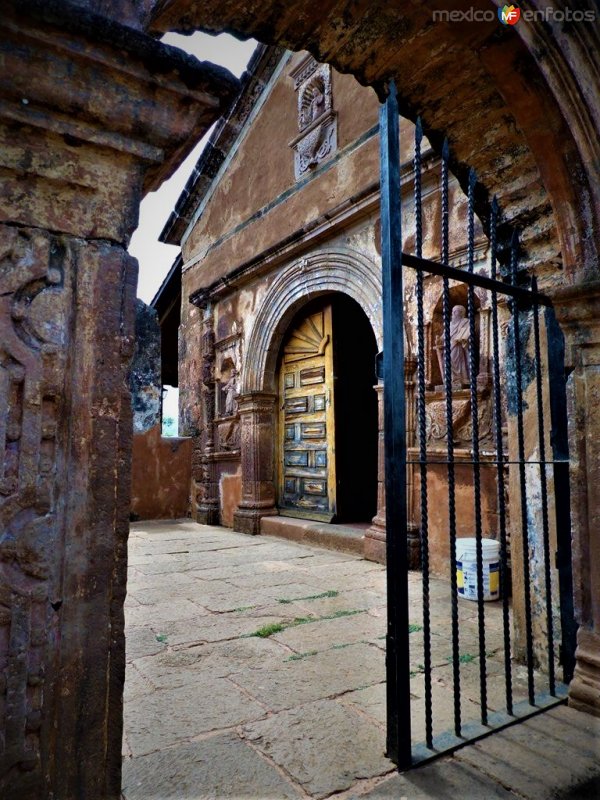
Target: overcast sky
[(156, 258)]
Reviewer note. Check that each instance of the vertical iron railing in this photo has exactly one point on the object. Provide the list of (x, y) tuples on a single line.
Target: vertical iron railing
[(521, 386)]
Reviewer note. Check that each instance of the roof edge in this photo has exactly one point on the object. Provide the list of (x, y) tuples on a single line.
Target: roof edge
[(254, 80)]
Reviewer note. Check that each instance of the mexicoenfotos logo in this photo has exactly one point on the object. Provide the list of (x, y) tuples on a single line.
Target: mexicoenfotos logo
[(509, 15)]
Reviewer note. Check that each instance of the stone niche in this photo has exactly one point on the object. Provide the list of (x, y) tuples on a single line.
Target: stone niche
[(317, 121)]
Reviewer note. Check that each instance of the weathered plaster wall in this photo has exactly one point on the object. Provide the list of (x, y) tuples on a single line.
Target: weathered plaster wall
[(263, 171), (161, 469)]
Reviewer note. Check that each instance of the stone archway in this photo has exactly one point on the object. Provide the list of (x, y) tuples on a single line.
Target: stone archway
[(340, 270), (337, 270)]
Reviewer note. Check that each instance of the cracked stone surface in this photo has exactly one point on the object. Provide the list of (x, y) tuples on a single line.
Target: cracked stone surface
[(325, 746), (215, 710)]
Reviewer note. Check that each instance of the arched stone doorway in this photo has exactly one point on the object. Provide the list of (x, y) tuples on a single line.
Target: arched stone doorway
[(341, 271), (327, 433)]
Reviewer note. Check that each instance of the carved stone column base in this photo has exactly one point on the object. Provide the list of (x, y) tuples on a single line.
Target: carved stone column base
[(247, 520), (208, 515), (374, 545), (584, 690)]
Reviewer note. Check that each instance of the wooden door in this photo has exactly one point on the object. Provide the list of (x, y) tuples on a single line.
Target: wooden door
[(306, 420)]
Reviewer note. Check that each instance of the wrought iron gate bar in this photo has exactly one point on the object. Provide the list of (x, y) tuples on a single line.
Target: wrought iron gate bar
[(398, 744), (544, 490), (471, 378), (504, 582), (491, 462), (516, 329), (450, 444), (423, 443), (525, 296), (473, 371)]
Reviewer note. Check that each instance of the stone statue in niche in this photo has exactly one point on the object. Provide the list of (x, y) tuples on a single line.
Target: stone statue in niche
[(314, 102), (459, 348), (229, 390)]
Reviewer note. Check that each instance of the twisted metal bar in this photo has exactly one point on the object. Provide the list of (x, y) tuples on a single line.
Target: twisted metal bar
[(500, 469), (544, 493), (522, 476), (475, 445), (423, 440), (450, 445)]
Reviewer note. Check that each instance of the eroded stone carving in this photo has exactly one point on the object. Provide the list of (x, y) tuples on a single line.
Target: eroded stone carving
[(317, 121), (34, 328)]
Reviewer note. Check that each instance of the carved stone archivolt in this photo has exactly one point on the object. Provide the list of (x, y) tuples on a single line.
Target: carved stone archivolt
[(333, 270), (317, 121)]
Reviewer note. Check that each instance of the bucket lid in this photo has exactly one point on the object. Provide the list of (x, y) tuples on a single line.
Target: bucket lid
[(490, 548)]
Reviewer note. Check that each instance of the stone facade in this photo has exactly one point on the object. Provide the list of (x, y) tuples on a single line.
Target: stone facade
[(247, 309)]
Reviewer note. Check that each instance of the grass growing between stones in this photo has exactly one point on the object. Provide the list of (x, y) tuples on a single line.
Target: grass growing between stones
[(464, 658), (328, 593), (277, 627), (269, 630), (300, 656)]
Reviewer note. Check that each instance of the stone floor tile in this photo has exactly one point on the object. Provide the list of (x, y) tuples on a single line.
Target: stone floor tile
[(212, 628), (164, 717), (324, 746), (177, 667), (285, 682), (440, 780), (218, 767), (141, 641), (341, 631), (164, 612), (371, 701)]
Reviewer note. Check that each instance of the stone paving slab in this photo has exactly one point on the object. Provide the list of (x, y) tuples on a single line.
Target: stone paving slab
[(179, 666), (440, 780), (281, 683), (340, 631), (212, 628), (219, 767), (157, 720), (324, 746)]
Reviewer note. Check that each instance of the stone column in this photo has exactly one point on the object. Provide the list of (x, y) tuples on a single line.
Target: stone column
[(578, 311), (91, 115), (207, 509), (374, 546), (375, 536), (257, 419)]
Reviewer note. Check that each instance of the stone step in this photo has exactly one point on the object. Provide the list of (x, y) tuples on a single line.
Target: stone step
[(344, 538)]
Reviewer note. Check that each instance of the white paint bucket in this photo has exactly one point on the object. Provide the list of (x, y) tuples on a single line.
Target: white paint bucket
[(466, 568)]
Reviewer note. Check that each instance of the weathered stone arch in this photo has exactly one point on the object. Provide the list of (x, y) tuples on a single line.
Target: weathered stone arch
[(338, 270)]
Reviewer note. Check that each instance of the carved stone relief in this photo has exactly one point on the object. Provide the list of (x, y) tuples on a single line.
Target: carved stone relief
[(317, 121), (228, 356), (34, 326)]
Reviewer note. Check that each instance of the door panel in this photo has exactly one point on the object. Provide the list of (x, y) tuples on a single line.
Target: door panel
[(306, 438)]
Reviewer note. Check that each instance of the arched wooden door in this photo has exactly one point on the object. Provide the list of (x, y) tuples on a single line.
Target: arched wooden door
[(306, 419)]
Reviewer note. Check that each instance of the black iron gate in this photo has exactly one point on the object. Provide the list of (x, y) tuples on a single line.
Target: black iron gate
[(527, 463)]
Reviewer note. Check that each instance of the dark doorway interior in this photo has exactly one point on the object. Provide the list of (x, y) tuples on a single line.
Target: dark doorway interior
[(356, 430)]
